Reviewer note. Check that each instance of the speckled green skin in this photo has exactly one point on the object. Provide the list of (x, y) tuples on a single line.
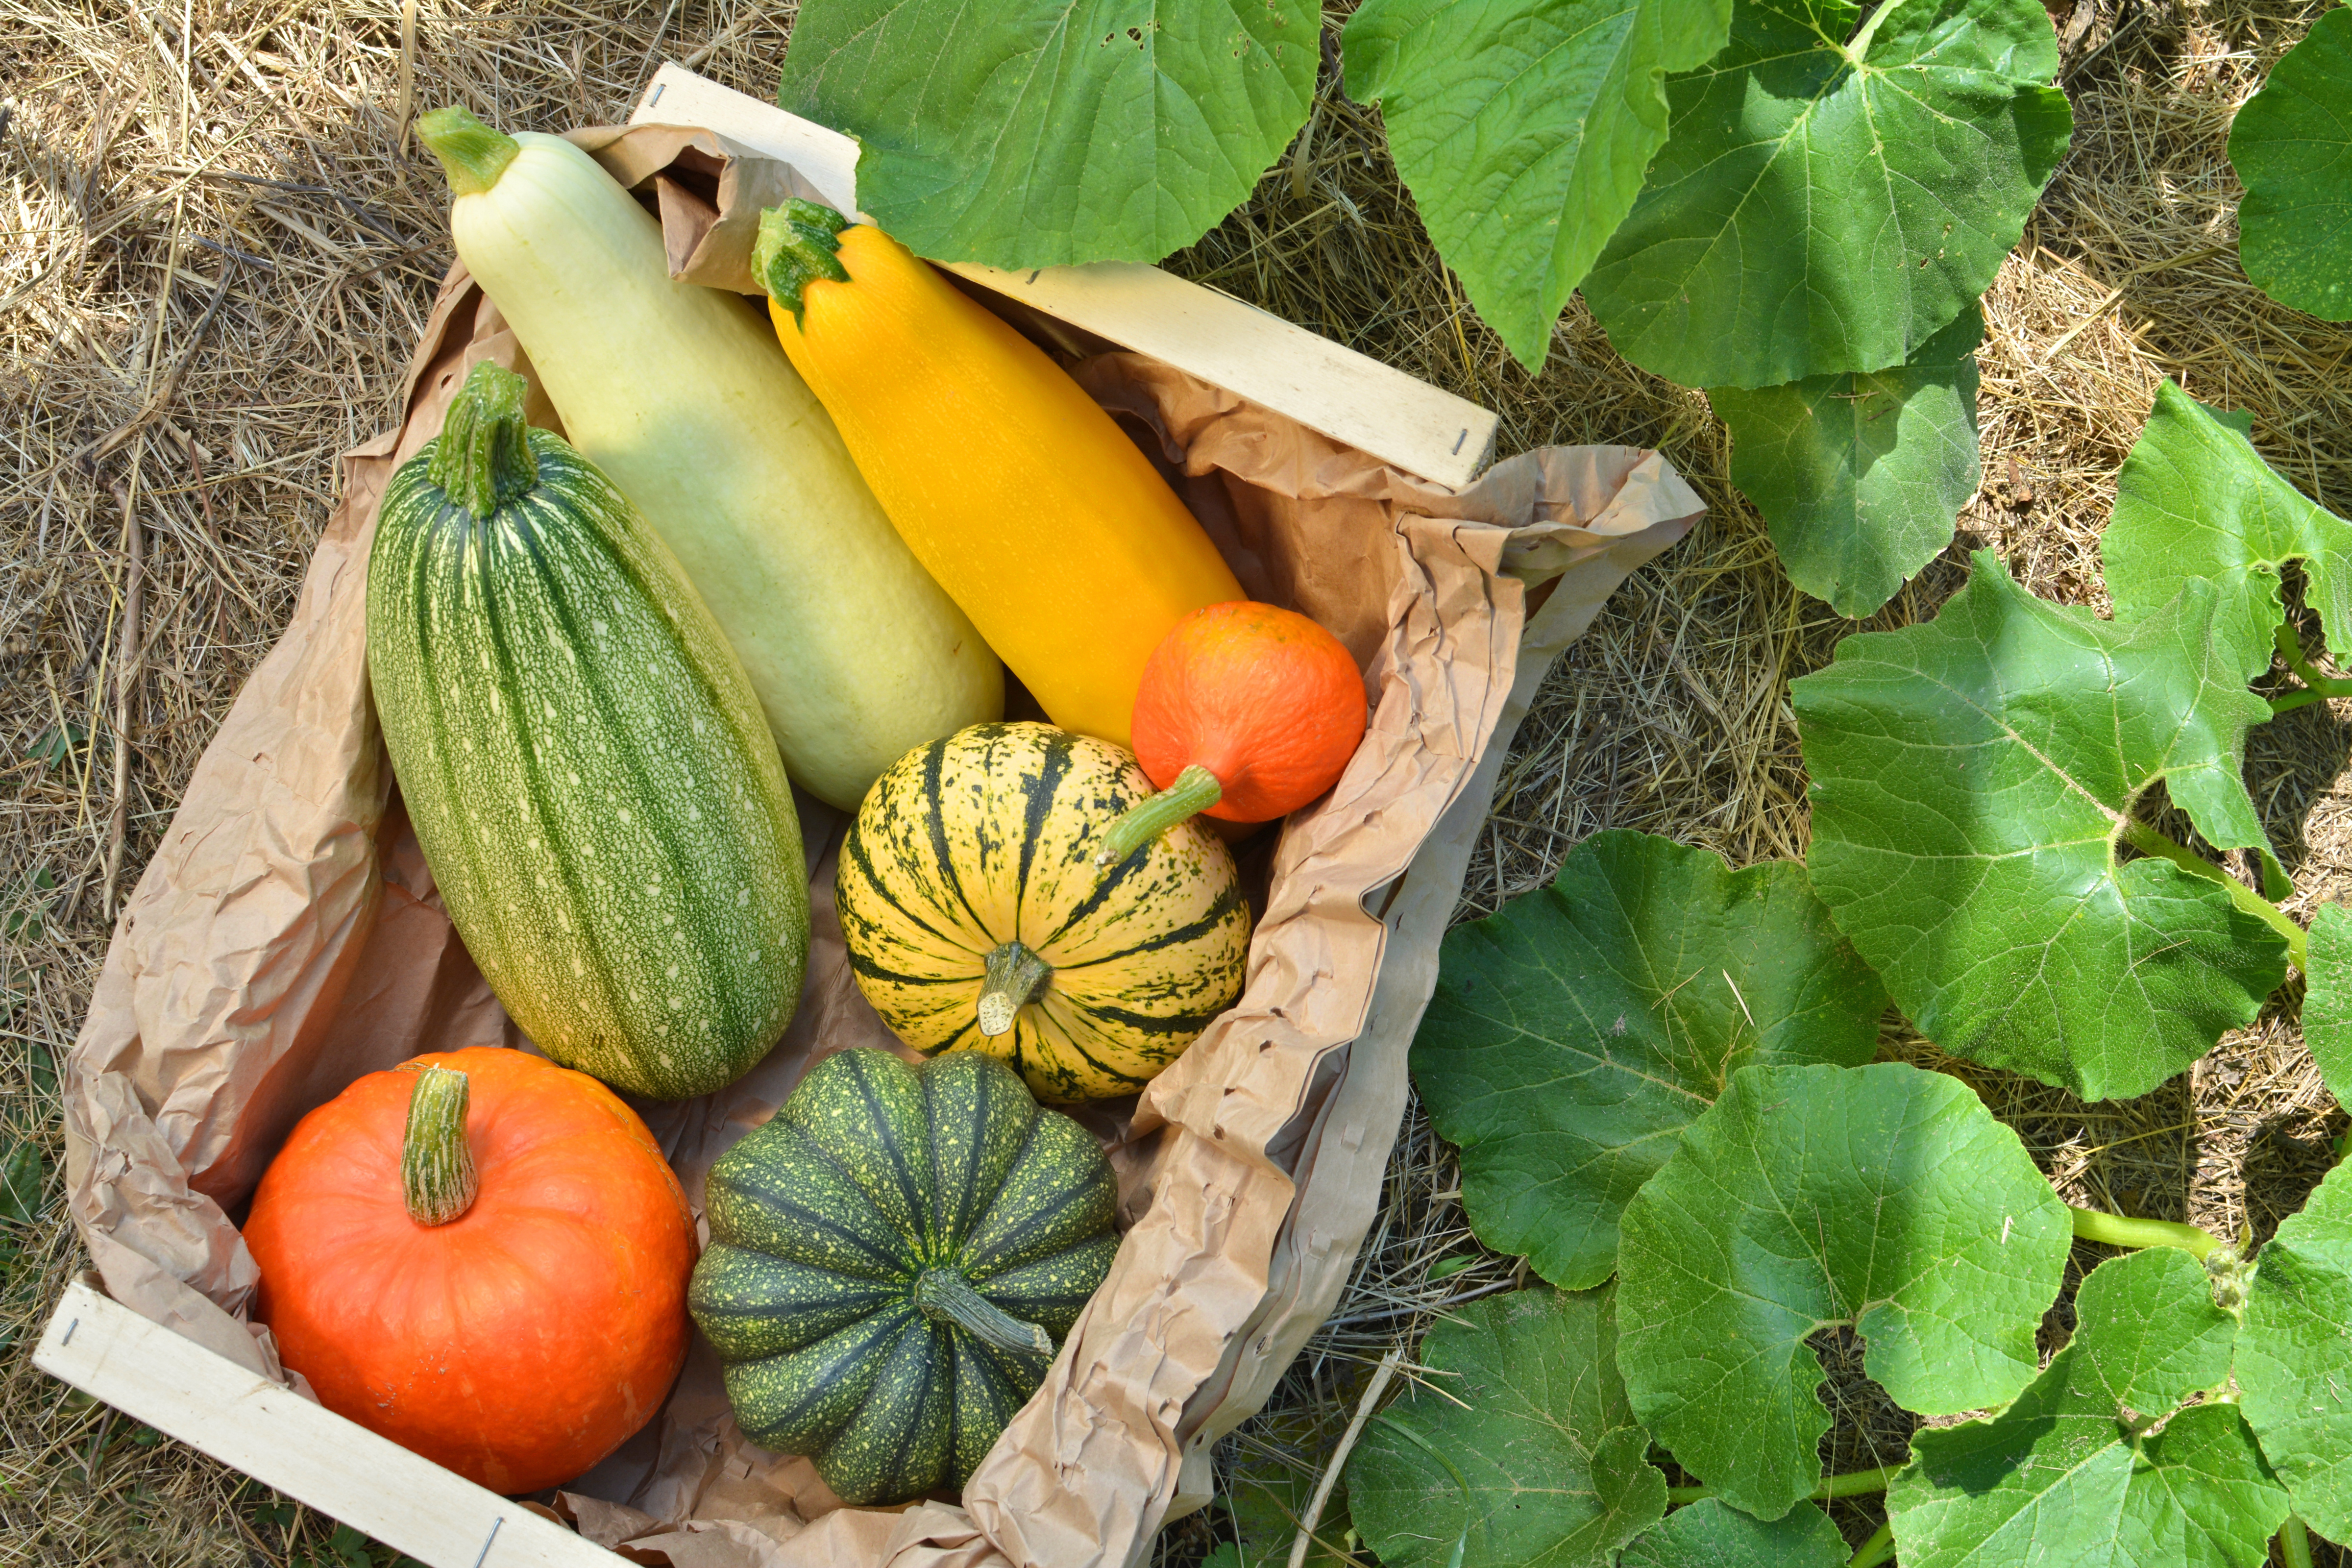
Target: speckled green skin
[(821, 1223), (589, 777)]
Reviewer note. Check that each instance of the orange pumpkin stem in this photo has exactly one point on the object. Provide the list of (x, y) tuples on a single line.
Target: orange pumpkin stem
[(1195, 790), (436, 1163)]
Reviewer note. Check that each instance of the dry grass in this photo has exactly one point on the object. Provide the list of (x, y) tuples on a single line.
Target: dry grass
[(217, 251)]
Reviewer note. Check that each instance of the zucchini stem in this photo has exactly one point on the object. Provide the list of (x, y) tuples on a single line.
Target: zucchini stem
[(1876, 1550), (482, 458), (1014, 977), (2295, 1542), (472, 154), (2120, 1230), (798, 243), (945, 1296), (2320, 687), (437, 1177), (1195, 790), (2148, 840)]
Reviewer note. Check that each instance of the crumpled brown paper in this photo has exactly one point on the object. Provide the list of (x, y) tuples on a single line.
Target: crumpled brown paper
[(287, 937)]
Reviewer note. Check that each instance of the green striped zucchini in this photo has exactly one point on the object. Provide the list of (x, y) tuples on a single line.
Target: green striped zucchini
[(892, 1258), (587, 770), (976, 917)]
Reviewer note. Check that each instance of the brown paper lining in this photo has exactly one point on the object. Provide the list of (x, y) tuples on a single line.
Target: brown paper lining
[(285, 939)]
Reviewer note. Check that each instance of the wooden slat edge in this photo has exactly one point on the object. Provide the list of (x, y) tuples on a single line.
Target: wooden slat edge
[(1351, 397), (302, 1450)]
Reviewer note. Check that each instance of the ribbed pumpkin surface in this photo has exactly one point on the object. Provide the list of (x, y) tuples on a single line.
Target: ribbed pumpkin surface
[(589, 775), (823, 1223), (988, 837)]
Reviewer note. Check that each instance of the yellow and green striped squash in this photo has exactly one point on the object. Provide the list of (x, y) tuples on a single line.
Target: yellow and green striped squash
[(586, 768), (976, 917)]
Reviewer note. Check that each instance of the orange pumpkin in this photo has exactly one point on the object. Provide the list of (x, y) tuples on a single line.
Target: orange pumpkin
[(482, 1256), (1246, 712)]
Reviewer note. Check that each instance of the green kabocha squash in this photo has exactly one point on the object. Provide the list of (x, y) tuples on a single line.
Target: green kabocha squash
[(585, 765), (892, 1260), (977, 918)]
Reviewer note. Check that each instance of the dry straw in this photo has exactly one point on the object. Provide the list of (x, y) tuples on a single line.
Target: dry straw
[(216, 247)]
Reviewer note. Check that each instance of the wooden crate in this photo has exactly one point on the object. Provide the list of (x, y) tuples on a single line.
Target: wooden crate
[(345, 1472)]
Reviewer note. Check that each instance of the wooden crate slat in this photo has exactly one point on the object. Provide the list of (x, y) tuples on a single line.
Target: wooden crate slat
[(304, 1450), (1351, 397)]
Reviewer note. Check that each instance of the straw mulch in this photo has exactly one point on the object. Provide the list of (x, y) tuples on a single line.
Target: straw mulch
[(218, 249)]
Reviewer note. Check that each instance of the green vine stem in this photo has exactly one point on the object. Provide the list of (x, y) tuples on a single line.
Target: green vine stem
[(2320, 687), (472, 154), (1876, 1550), (1013, 977), (1853, 1483), (945, 1296), (2148, 841), (482, 458), (2118, 1230), (1195, 790), (2295, 1542), (436, 1164)]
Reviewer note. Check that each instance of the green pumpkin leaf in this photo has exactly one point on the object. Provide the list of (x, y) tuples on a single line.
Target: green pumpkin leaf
[(1522, 130), (1829, 201), (1709, 1535), (1860, 478), (1971, 783), (2196, 500), (1573, 1035), (2066, 1474), (2291, 146), (2328, 999), (1040, 133), (2295, 1356), (1522, 1454), (1880, 1196)]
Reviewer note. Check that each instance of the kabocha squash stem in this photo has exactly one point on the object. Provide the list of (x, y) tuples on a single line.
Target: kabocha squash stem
[(437, 1178), (681, 396), (1195, 790), (945, 1296), (1015, 490)]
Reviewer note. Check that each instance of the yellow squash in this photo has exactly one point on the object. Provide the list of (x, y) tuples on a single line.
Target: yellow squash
[(977, 919), (1018, 494)]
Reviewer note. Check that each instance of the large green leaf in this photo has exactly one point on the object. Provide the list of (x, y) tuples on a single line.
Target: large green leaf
[(1829, 202), (2195, 499), (1576, 1033), (1034, 132), (2328, 1000), (1860, 477), (2066, 1474), (1708, 1535), (2295, 1356), (1522, 127), (2291, 146), (1528, 1457), (1971, 783), (1880, 1196)]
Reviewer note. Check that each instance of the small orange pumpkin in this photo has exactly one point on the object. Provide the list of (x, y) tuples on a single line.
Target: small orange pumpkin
[(1247, 711), (482, 1256)]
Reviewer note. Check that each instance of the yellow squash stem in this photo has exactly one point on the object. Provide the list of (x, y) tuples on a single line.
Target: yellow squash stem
[(1195, 790)]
